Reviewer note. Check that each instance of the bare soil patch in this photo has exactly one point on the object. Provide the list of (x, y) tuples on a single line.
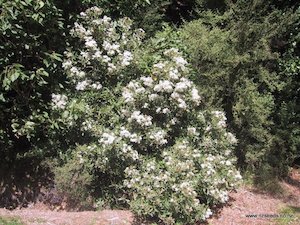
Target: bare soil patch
[(249, 206), (47, 217)]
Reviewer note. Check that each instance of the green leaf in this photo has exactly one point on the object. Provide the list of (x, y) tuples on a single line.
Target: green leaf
[(56, 56), (14, 76), (42, 72), (41, 4), (2, 98)]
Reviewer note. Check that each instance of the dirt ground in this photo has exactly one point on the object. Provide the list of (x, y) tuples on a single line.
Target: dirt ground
[(247, 206)]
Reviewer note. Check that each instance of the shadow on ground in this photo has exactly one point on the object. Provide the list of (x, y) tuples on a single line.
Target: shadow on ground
[(23, 182)]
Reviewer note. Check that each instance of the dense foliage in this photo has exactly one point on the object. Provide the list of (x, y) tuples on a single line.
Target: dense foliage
[(158, 119), (31, 33), (237, 56)]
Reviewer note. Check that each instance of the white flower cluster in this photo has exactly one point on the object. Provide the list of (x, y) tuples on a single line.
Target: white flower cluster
[(132, 137), (106, 48), (221, 118), (159, 137), (107, 139), (231, 138), (152, 184), (59, 101), (141, 119), (83, 85), (173, 89), (185, 171), (87, 125)]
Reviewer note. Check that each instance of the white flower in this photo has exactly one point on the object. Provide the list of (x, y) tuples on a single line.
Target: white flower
[(135, 138), (87, 125), (148, 81), (221, 117), (195, 95), (166, 110), (141, 119), (140, 90), (96, 22), (207, 214), (159, 65), (85, 55), (221, 123), (80, 31), (96, 86), (90, 42), (96, 10), (127, 95), (107, 139), (238, 176), (228, 163), (175, 95), (164, 86), (133, 85), (59, 101), (183, 85), (158, 137), (182, 104), (83, 14), (171, 52), (181, 62), (74, 70), (124, 133), (97, 55), (106, 20), (81, 74), (208, 128), (111, 49), (106, 59), (126, 58), (82, 85), (192, 131), (174, 74), (173, 121), (153, 97), (67, 64), (231, 138), (111, 67), (135, 155)]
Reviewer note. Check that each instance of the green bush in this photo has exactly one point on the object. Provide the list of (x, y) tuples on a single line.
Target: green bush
[(73, 181), (234, 54)]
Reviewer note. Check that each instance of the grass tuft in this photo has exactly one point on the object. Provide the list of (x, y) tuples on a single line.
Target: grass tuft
[(10, 221), (289, 215)]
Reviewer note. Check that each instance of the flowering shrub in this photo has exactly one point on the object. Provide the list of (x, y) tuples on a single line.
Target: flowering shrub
[(182, 153), (95, 66), (170, 157), (105, 49)]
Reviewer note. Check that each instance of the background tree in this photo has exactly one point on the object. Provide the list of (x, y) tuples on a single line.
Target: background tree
[(235, 59)]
